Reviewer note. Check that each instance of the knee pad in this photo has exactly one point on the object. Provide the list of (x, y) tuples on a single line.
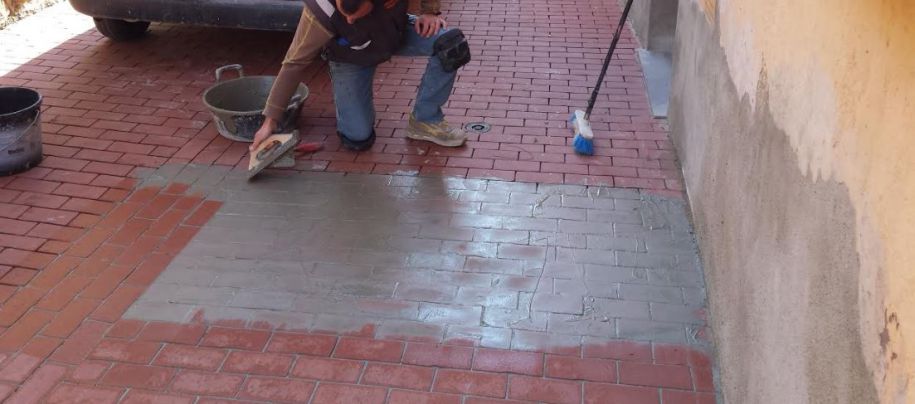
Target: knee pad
[(357, 145), (452, 50)]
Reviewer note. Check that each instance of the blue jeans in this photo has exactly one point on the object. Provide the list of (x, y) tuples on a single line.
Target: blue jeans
[(353, 88)]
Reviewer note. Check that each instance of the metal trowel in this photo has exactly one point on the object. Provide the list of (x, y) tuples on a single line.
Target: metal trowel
[(270, 150)]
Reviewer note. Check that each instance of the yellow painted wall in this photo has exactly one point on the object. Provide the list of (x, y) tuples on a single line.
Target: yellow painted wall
[(841, 82)]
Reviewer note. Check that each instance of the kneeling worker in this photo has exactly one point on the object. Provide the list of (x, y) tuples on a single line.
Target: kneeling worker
[(355, 36)]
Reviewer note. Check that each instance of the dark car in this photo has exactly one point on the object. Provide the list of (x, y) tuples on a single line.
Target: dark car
[(129, 19)]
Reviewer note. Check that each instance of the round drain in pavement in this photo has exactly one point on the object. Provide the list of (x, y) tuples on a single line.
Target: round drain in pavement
[(478, 127)]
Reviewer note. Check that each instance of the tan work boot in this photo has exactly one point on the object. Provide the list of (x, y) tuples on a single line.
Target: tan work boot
[(439, 133)]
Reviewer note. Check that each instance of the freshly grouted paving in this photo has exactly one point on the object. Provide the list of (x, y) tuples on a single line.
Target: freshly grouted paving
[(509, 265)]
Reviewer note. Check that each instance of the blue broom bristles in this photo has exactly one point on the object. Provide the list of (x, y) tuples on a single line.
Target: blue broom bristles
[(583, 143)]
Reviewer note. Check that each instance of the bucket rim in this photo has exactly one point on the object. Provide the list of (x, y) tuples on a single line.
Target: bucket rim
[(36, 104), (302, 89)]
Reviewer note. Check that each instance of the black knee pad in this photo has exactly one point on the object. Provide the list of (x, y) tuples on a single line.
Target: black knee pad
[(452, 50), (357, 145)]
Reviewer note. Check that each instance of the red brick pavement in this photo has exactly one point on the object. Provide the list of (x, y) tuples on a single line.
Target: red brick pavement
[(114, 106), (78, 244)]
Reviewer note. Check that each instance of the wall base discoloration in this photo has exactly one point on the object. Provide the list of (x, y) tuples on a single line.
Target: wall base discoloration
[(779, 247)]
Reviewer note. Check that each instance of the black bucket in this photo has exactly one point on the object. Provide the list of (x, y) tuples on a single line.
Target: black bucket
[(20, 129)]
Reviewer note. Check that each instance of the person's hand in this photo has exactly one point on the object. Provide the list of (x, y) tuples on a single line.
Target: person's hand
[(389, 4), (263, 133), (428, 25)]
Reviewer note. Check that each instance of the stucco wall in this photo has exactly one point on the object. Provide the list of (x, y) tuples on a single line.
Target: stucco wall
[(795, 125), (653, 22)]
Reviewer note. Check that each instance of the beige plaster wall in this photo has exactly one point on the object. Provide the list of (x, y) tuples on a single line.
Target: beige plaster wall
[(795, 122)]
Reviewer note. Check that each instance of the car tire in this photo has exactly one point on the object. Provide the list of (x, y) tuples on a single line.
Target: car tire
[(120, 30)]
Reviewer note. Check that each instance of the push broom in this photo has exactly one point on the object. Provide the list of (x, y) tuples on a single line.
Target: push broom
[(583, 143)]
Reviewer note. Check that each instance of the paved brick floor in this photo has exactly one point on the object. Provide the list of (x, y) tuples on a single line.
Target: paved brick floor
[(117, 105), (83, 244)]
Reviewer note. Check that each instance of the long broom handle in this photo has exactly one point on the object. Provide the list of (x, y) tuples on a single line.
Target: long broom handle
[(603, 71)]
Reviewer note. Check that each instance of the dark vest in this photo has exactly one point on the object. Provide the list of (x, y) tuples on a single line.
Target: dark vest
[(372, 40)]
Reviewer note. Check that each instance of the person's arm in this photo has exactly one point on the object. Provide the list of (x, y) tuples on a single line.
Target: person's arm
[(309, 38)]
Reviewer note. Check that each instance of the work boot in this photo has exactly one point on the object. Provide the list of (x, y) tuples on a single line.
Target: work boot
[(439, 133), (357, 145)]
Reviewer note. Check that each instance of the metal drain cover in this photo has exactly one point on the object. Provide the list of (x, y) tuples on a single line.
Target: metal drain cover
[(478, 127)]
